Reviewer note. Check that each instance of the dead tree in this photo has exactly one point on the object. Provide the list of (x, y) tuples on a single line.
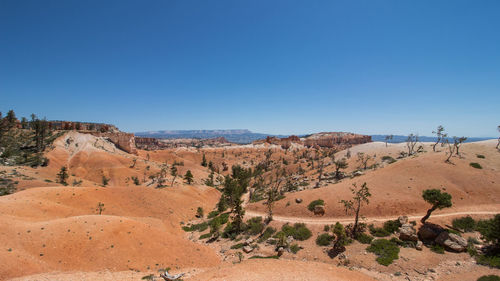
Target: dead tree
[(387, 138), (440, 136), (498, 144), (411, 141), (169, 277), (363, 159), (451, 149)]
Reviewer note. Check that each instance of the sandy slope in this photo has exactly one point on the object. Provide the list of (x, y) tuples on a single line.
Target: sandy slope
[(396, 189), (58, 229)]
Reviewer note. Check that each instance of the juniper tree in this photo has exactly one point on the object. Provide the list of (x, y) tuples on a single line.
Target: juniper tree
[(440, 136), (62, 176), (457, 142), (438, 199), (360, 197), (188, 177), (173, 173), (100, 208), (204, 161), (340, 165)]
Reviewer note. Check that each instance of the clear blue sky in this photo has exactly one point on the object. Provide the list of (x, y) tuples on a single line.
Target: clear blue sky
[(269, 66)]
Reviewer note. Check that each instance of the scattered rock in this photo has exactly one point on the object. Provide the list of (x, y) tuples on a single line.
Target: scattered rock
[(319, 210), (247, 249), (289, 239), (419, 245), (298, 200), (407, 232), (451, 241), (280, 251), (429, 232), (403, 220), (249, 241)]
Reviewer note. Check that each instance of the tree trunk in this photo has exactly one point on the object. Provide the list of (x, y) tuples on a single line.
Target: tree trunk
[(428, 214), (355, 228), (173, 181)]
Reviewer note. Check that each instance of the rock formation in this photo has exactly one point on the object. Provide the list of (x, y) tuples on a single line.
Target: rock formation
[(124, 141), (335, 140), (156, 144)]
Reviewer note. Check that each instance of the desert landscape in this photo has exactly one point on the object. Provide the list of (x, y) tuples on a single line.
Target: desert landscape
[(170, 140), (103, 206)]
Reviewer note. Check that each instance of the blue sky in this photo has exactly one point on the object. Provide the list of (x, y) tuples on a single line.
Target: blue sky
[(269, 66)]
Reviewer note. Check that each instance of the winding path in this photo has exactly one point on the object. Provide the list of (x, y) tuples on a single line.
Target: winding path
[(322, 221)]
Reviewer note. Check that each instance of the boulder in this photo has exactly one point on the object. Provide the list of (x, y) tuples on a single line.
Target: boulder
[(289, 239), (247, 249), (298, 200), (319, 210), (249, 241), (451, 241), (429, 231), (403, 220), (407, 233), (419, 245)]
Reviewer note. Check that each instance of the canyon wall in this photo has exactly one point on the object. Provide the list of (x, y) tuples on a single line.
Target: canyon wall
[(124, 141), (156, 144)]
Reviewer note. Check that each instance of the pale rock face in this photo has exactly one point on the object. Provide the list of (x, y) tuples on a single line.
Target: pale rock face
[(407, 233), (452, 241)]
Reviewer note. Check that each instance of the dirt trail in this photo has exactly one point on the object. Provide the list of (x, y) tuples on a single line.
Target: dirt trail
[(322, 221)]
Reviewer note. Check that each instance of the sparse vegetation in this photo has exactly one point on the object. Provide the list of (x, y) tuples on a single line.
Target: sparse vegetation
[(100, 208), (295, 248), (466, 224), (324, 239), (298, 231), (475, 165), (438, 249), (489, 278), (386, 251), (364, 238)]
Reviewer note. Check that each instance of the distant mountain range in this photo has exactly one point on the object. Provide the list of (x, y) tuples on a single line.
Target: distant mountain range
[(400, 138), (243, 136)]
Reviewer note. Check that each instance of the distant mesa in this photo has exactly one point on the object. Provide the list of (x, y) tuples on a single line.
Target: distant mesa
[(336, 140)]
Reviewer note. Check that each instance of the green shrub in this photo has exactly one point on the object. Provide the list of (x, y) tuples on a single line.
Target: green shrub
[(196, 227), (294, 248), (489, 278), (254, 226), (237, 246), (213, 214), (324, 239), (492, 261), (404, 244), (205, 236), (475, 165), (392, 226), (364, 238), (267, 234), (299, 231), (378, 231), (388, 159), (436, 248), (261, 257), (326, 228), (315, 203), (480, 156), (386, 251)]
